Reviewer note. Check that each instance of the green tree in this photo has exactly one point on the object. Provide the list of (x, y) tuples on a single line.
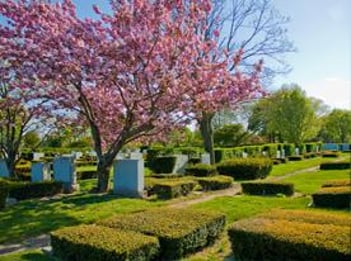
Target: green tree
[(336, 126), (230, 135), (31, 140)]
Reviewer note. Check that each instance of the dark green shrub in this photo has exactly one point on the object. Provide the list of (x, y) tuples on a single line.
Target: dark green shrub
[(82, 175), (29, 190), (276, 239), (4, 190), (163, 164), (215, 183), (194, 160), (270, 149), (267, 188), (246, 169), (295, 158), (335, 165), (289, 149), (201, 170), (333, 197), (153, 153), (180, 231), (173, 189), (98, 243), (330, 154), (226, 153), (167, 175)]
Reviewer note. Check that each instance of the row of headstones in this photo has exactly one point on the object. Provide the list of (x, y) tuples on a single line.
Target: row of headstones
[(336, 146)]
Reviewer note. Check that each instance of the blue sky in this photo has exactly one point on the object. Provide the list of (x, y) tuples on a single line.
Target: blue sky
[(321, 32)]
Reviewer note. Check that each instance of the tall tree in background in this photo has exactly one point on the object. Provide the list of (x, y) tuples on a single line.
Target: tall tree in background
[(336, 126), (257, 29)]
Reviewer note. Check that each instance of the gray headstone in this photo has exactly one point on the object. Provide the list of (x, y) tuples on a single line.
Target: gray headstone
[(40, 171), (297, 151), (283, 153), (345, 147), (278, 154), (64, 171), (180, 164), (264, 153), (128, 178), (244, 154), (330, 146), (4, 171), (136, 155), (38, 155), (205, 158)]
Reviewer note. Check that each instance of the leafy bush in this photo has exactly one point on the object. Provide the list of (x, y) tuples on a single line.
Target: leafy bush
[(268, 188), (29, 190), (201, 170), (335, 165), (172, 189), (167, 175), (163, 164), (309, 155), (330, 154), (270, 149), (295, 158), (274, 239), (98, 243), (309, 216), (337, 183), (289, 149), (245, 169), (215, 183), (87, 174), (4, 189), (180, 231), (333, 197)]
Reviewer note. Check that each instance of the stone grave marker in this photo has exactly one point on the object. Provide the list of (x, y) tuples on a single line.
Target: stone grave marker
[(4, 171), (64, 171), (205, 158), (40, 171)]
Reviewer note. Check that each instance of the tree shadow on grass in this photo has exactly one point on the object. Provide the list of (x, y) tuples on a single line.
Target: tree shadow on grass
[(38, 257)]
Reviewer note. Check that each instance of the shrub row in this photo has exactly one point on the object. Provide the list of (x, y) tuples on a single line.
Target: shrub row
[(29, 190), (295, 158), (98, 243), (333, 197), (309, 216), (162, 164), (173, 188), (245, 169), (335, 165), (215, 183), (274, 239), (337, 183), (180, 231), (330, 154), (201, 170), (268, 188), (4, 190), (167, 175)]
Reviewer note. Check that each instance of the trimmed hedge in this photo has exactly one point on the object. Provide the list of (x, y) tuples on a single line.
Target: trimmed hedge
[(295, 158), (173, 189), (180, 231), (29, 190), (333, 197), (246, 169), (335, 165), (4, 190), (268, 188), (309, 216), (163, 164), (215, 183), (271, 239), (201, 170), (330, 154), (98, 243), (82, 175), (337, 183), (167, 175)]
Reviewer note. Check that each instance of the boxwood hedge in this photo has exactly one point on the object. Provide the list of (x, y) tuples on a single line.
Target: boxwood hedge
[(4, 189), (201, 170), (335, 165), (29, 190), (267, 188), (274, 239), (98, 243), (333, 197), (173, 188), (337, 183), (180, 231), (215, 183), (163, 164), (246, 169)]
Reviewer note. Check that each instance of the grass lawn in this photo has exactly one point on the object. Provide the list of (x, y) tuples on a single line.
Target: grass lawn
[(310, 182)]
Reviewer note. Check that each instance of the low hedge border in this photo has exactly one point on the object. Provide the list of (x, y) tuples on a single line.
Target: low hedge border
[(167, 175), (215, 183), (330, 154), (97, 243), (333, 197), (309, 216), (163, 164), (173, 189), (29, 190), (335, 165), (4, 190), (246, 169), (180, 231), (201, 170), (270, 239), (267, 188), (82, 175), (295, 158), (337, 183)]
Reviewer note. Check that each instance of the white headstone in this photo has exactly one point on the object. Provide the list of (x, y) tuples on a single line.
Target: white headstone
[(136, 155), (40, 172), (64, 171), (205, 158), (278, 154), (128, 178), (244, 154), (283, 153), (264, 153), (180, 164), (297, 151), (4, 171), (38, 155)]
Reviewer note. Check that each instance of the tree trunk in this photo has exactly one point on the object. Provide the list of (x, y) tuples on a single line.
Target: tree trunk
[(103, 171), (207, 134), (11, 165)]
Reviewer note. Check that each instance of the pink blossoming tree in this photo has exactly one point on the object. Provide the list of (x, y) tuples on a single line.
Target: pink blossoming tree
[(136, 72)]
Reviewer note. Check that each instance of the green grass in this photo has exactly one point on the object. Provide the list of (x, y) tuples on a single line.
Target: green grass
[(311, 182), (30, 255), (33, 217)]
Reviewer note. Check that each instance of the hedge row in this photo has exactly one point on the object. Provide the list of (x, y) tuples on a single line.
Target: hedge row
[(268, 188), (82, 175), (333, 197), (201, 170), (275, 239), (180, 231), (173, 188), (309, 216), (4, 190), (295, 158), (29, 190), (337, 183), (330, 154), (335, 165), (215, 183), (162, 164), (246, 169), (98, 243)]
